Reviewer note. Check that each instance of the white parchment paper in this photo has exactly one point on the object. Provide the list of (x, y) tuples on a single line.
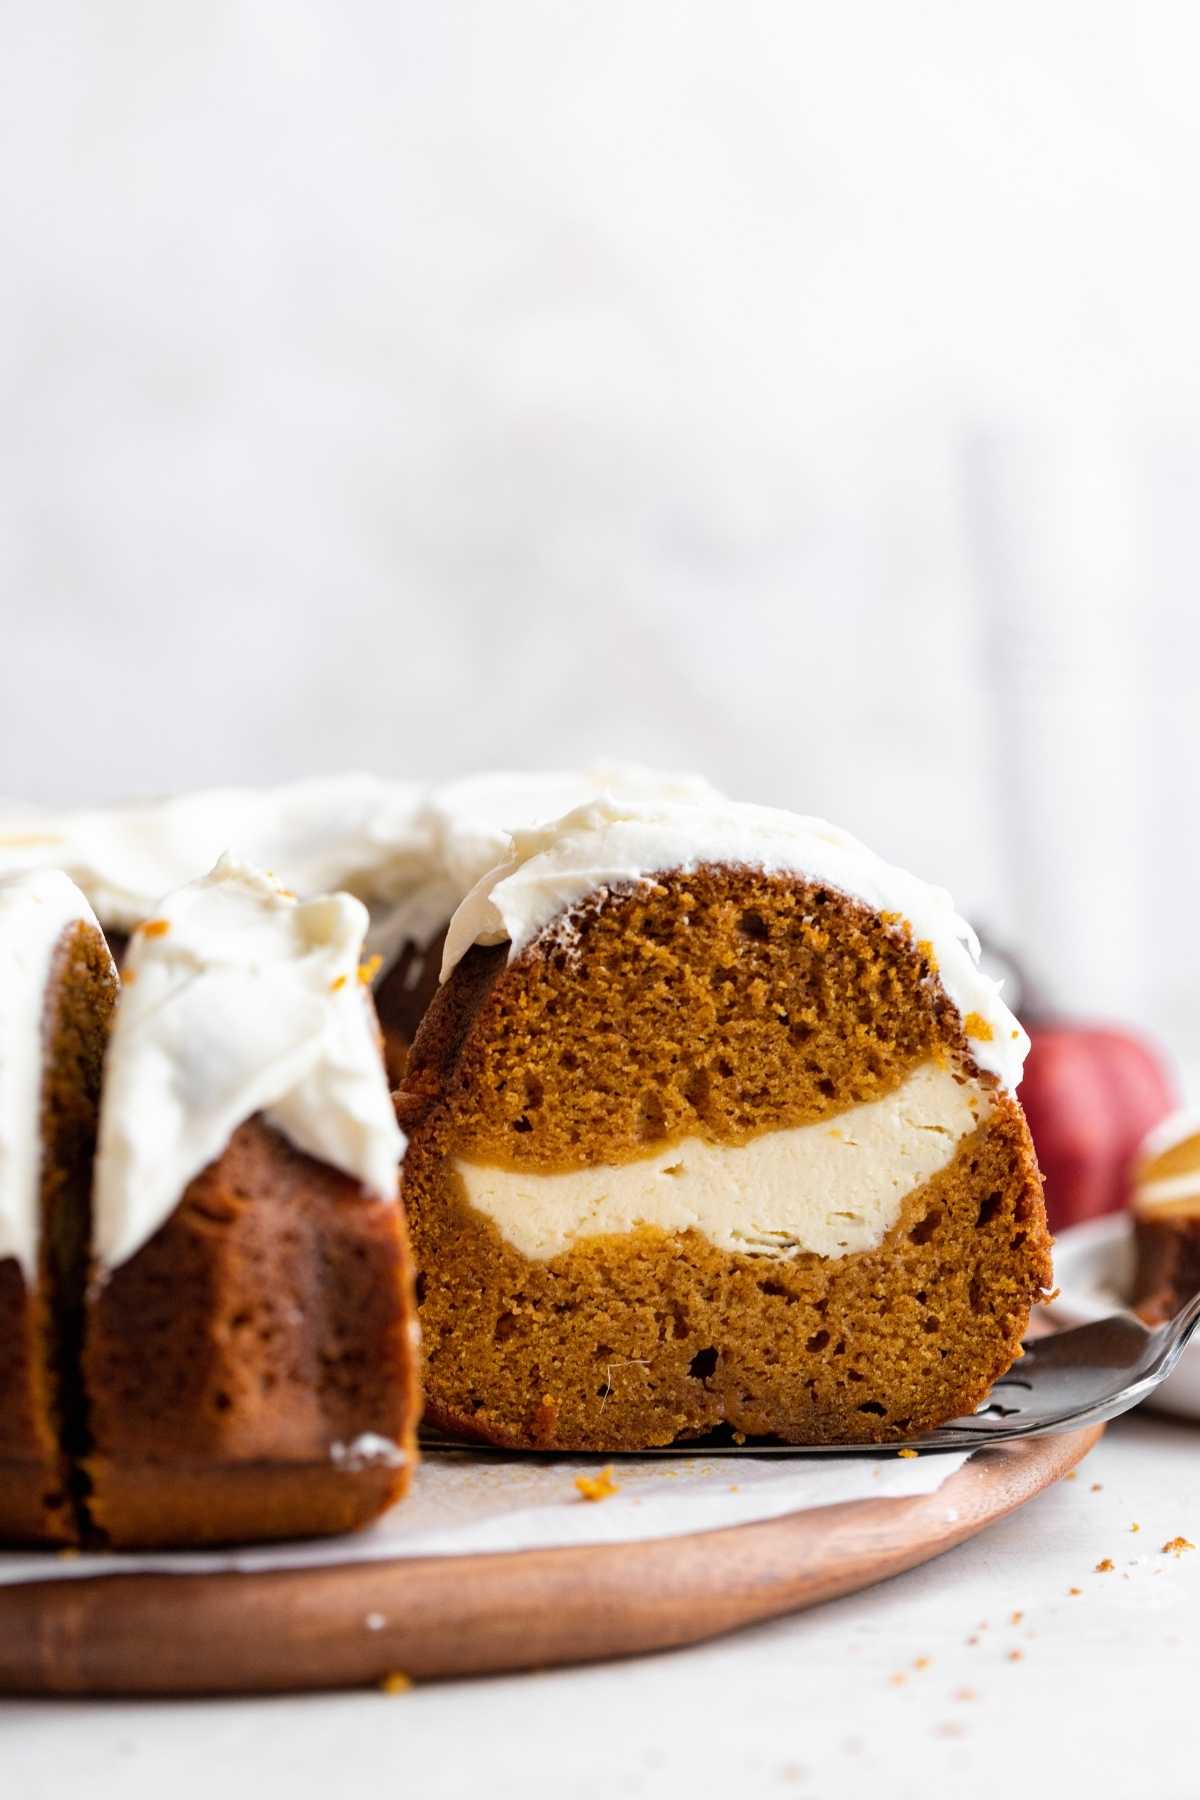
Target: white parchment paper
[(461, 1505)]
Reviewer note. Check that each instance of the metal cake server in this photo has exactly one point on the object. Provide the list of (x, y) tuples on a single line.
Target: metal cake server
[(1063, 1381)]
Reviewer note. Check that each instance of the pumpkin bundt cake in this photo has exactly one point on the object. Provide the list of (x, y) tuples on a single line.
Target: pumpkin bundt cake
[(249, 1353), (1165, 1204), (57, 988), (711, 1124)]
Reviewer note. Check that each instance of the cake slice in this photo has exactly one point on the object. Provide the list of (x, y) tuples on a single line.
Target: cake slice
[(712, 1124), (57, 988), (1165, 1203), (250, 1349)]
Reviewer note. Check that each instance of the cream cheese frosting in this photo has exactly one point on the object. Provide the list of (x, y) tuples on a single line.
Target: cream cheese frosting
[(238, 999), (613, 844), (831, 1189), (356, 832), (35, 910), (468, 826)]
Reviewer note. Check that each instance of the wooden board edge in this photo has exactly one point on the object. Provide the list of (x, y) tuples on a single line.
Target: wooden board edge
[(350, 1625)]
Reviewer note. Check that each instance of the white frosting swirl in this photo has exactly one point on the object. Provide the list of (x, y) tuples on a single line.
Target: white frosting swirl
[(614, 844), (357, 832), (467, 827), (238, 1000), (35, 910)]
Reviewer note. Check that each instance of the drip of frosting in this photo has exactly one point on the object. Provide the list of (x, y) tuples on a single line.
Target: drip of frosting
[(356, 832), (238, 999), (468, 827), (612, 844), (35, 910)]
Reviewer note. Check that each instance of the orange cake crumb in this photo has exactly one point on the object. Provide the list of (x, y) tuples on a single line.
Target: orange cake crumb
[(1016, 1618), (907, 1453), (598, 1487), (154, 928), (396, 1683), (977, 1027), (368, 970), (1106, 1565), (1074, 1590), (1176, 1546), (1015, 1655)]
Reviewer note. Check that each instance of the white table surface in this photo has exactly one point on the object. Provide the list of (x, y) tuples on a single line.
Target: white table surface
[(1094, 1694)]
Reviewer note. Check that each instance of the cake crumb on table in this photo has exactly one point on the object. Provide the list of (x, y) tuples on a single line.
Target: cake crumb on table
[(1176, 1546), (1016, 1618), (1097, 1487), (1104, 1566), (1074, 1590), (907, 1453), (397, 1682), (1016, 1656), (598, 1487)]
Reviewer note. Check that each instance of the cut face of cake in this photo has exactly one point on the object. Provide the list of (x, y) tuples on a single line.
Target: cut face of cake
[(1165, 1204), (57, 989), (466, 828), (250, 1347), (712, 1125)]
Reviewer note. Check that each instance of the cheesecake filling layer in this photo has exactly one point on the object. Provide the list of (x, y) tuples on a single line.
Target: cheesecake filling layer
[(830, 1189)]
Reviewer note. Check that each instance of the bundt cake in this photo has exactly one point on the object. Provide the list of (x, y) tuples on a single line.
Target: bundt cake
[(1165, 1204), (711, 1125), (249, 1349), (57, 989)]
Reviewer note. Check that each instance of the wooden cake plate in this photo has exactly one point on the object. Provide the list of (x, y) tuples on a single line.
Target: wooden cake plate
[(432, 1617)]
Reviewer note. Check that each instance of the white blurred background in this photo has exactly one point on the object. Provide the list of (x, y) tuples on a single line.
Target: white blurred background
[(807, 394)]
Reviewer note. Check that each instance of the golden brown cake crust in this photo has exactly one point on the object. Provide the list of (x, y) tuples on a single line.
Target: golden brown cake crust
[(39, 1413), (718, 1004), (235, 1362)]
